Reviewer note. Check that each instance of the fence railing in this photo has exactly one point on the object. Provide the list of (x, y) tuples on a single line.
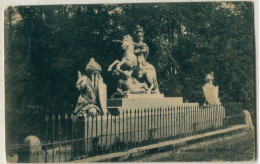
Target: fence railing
[(68, 137)]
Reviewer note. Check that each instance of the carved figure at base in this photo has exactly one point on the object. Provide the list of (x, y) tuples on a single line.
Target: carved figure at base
[(146, 73), (210, 91), (127, 84), (91, 100)]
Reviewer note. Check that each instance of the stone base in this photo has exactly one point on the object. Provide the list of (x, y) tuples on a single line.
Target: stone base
[(138, 96), (142, 100)]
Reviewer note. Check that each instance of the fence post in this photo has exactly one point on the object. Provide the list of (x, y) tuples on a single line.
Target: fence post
[(87, 139), (127, 132), (171, 122), (178, 122), (107, 114), (66, 135), (72, 135), (53, 119), (160, 124), (141, 126), (138, 126), (130, 113), (184, 120), (174, 121), (163, 110), (59, 118), (119, 131), (101, 135), (151, 130), (115, 133), (144, 126), (167, 121), (148, 122), (111, 125), (199, 119), (157, 127), (124, 127), (47, 129), (134, 127)]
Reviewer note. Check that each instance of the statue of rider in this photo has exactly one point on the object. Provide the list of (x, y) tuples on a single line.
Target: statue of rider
[(141, 49)]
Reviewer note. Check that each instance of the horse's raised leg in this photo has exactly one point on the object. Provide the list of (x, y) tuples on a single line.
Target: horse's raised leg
[(118, 67), (150, 89), (150, 76), (112, 65)]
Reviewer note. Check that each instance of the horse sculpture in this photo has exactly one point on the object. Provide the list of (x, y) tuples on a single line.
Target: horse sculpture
[(129, 59), (144, 72), (148, 73)]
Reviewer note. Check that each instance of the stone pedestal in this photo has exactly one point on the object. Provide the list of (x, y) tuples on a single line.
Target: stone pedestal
[(143, 100)]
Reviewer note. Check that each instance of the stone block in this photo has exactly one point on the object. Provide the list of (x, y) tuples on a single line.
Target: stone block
[(142, 102)]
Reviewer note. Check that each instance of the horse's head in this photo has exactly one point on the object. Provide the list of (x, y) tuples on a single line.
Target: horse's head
[(80, 82), (127, 42), (140, 72)]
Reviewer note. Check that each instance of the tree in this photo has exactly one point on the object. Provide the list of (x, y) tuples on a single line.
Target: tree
[(46, 46)]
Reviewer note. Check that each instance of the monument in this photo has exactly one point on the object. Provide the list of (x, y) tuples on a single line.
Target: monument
[(137, 80), (137, 91)]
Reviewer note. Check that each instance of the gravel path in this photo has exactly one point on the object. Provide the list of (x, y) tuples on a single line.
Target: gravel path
[(238, 147)]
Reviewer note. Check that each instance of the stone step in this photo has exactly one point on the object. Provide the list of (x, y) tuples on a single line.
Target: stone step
[(138, 96)]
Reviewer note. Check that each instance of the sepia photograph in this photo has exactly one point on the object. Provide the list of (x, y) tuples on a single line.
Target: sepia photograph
[(130, 82)]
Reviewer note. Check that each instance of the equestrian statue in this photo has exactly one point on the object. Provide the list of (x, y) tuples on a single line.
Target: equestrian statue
[(135, 75)]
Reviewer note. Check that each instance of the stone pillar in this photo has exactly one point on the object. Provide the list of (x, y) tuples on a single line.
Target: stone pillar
[(248, 120), (31, 150)]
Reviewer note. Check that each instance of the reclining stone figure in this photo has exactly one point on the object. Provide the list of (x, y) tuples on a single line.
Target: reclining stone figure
[(91, 100)]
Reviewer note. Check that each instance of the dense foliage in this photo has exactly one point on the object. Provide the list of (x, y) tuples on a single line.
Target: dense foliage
[(45, 46)]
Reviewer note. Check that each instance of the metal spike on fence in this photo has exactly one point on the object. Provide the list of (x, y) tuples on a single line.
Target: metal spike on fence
[(59, 117), (126, 111), (107, 113), (66, 116), (141, 126), (53, 118), (130, 112)]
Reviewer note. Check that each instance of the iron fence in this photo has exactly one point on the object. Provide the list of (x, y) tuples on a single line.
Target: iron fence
[(68, 137)]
